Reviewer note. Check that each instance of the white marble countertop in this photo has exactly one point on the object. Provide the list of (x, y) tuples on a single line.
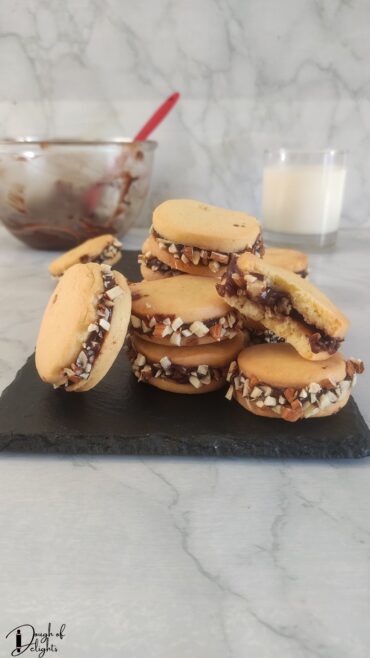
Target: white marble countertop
[(186, 558)]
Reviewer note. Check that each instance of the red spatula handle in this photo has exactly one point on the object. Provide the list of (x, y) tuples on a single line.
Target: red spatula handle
[(157, 117)]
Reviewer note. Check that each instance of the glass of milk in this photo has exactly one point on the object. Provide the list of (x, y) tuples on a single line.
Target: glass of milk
[(303, 196)]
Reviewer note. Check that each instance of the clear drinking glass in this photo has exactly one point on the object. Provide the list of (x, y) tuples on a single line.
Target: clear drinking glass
[(303, 196)]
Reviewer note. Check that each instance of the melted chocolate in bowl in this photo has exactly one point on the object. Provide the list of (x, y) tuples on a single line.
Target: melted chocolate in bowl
[(56, 194)]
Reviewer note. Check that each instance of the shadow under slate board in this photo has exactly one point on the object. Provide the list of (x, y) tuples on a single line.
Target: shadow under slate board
[(121, 416)]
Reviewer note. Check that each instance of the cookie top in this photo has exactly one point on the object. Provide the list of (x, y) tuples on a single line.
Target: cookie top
[(198, 224), (315, 307), (211, 354), (289, 259), (105, 248), (189, 297), (68, 321), (280, 366)]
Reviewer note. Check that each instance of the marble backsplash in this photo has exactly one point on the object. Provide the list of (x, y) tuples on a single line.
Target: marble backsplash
[(253, 75)]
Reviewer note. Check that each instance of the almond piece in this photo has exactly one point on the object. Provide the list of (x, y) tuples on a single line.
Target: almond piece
[(140, 360), (232, 368), (159, 330), (92, 327), (314, 388), (290, 394), (229, 393), (194, 381), (188, 252), (358, 365), (324, 401), (199, 329), (136, 322), (231, 319), (291, 414), (219, 257), (175, 339), (145, 328), (245, 388), (214, 266), (215, 331), (196, 257), (115, 292), (350, 368), (253, 381), (176, 324), (256, 392), (104, 324), (165, 362)]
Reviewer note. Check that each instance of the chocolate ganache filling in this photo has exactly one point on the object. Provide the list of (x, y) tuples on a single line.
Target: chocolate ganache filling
[(197, 256), (197, 376), (235, 284), (258, 337), (157, 265), (109, 252), (97, 332), (171, 326)]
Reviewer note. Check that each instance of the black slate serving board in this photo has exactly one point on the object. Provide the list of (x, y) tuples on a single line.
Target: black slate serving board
[(121, 416)]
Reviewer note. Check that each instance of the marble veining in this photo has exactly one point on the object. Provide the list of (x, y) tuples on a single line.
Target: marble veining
[(185, 557), (251, 78)]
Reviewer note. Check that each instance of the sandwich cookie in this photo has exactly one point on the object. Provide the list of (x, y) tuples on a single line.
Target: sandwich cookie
[(83, 327), (274, 381), (284, 303), (182, 310), (103, 249), (289, 259), (195, 369), (199, 239), (151, 266)]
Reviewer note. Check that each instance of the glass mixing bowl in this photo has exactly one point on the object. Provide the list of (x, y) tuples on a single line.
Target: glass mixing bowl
[(55, 194)]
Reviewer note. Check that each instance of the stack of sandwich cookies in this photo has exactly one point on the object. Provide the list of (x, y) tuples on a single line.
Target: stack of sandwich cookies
[(183, 336), (285, 304), (181, 311), (105, 249), (197, 238), (84, 327), (274, 381), (190, 370)]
